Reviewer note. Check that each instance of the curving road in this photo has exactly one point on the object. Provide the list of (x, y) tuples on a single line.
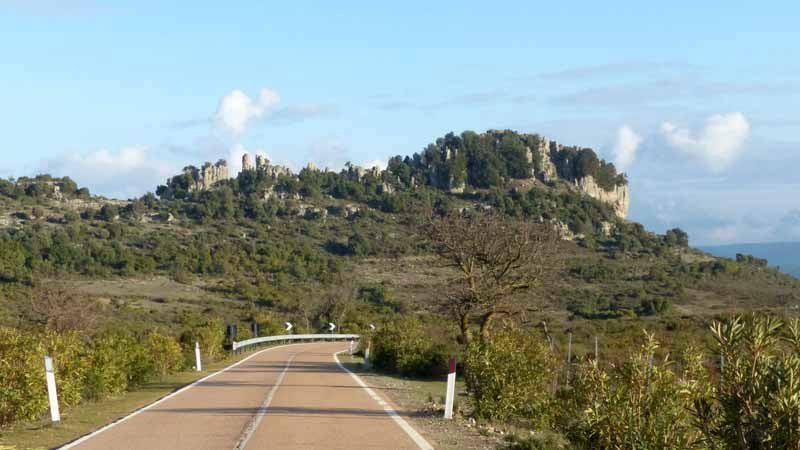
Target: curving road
[(290, 397)]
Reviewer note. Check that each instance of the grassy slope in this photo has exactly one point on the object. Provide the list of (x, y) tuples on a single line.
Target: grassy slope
[(419, 280)]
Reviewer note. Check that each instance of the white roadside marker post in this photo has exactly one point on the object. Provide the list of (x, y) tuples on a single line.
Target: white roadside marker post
[(366, 355), (52, 394), (198, 364), (350, 348), (451, 390)]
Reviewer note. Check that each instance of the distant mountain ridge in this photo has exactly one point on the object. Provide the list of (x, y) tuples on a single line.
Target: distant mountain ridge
[(785, 255)]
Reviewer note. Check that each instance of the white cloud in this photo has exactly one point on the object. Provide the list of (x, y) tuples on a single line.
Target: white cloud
[(625, 147), (718, 144), (374, 163), (126, 173), (236, 109)]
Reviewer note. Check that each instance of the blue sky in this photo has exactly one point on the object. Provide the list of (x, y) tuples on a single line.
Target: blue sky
[(696, 100)]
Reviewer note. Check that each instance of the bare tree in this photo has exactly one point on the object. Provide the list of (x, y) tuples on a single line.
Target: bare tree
[(62, 310), (331, 305), (497, 257), (338, 301)]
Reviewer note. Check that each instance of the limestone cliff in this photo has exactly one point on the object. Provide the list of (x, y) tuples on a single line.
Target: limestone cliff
[(619, 197), (551, 165), (207, 176)]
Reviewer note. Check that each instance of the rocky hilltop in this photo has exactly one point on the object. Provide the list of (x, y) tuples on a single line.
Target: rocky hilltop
[(456, 164), (450, 161)]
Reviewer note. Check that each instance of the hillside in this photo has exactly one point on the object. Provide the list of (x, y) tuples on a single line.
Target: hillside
[(319, 245), (783, 255)]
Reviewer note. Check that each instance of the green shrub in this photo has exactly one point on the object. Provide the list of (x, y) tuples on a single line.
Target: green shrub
[(106, 367), (510, 376), (404, 347), (642, 404), (23, 394), (756, 402), (108, 364), (210, 335)]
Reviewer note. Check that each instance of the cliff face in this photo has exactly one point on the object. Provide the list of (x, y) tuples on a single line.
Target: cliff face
[(207, 176), (619, 198)]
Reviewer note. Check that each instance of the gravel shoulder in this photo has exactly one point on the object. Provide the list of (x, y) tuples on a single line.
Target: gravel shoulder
[(422, 404)]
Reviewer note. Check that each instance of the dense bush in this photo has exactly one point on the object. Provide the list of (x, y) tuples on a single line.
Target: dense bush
[(23, 394), (510, 376), (641, 404), (402, 346), (756, 402), (210, 335), (648, 402), (107, 365)]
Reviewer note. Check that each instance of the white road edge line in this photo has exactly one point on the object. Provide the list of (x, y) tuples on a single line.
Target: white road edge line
[(411, 432), (252, 426), (86, 437)]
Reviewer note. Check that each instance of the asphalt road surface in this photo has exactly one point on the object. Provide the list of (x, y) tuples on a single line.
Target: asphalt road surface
[(290, 397)]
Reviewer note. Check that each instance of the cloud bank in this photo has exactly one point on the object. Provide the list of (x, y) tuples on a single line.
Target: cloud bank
[(125, 173), (718, 144)]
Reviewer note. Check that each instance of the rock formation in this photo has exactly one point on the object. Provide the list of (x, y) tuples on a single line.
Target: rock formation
[(262, 165), (547, 171), (247, 163), (207, 176), (619, 197), (262, 162)]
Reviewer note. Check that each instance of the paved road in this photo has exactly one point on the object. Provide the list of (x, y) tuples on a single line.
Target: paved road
[(291, 397)]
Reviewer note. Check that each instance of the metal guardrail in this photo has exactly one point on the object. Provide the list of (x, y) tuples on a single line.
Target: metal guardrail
[(291, 337)]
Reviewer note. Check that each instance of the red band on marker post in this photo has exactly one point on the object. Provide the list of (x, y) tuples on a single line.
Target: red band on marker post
[(452, 365)]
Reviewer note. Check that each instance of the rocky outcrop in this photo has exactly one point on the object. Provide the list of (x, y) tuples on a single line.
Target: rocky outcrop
[(262, 162), (247, 163), (359, 172), (547, 170), (619, 197), (207, 176), (346, 211), (550, 167), (262, 165), (385, 188), (213, 174)]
